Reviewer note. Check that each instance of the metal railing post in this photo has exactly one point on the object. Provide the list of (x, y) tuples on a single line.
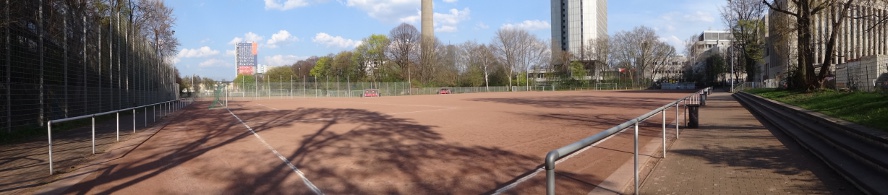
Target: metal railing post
[(635, 168), (118, 126), (676, 118), (134, 120), (664, 131), (551, 157)]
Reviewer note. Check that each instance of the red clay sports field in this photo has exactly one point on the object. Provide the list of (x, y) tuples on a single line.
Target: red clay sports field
[(431, 144)]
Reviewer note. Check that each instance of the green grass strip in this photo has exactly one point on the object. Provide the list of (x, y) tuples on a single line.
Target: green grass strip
[(868, 109)]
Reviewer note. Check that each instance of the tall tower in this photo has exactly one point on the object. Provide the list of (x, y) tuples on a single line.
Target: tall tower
[(427, 46), (575, 22), (428, 29)]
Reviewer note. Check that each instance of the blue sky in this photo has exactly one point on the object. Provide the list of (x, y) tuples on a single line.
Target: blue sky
[(290, 30)]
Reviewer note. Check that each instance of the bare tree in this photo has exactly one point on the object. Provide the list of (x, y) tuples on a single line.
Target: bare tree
[(744, 18), (598, 53), (804, 12), (635, 51), (159, 22), (662, 54), (517, 49), (447, 67), (402, 49)]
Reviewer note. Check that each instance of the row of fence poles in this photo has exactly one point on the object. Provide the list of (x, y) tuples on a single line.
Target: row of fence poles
[(560, 154), (165, 109)]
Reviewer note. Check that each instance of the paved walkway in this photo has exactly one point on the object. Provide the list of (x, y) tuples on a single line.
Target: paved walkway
[(24, 167), (734, 153)]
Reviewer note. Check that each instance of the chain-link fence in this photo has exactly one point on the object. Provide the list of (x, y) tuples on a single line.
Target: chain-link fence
[(291, 89), (57, 63)]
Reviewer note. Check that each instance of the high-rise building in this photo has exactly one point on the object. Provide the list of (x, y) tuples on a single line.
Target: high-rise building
[(575, 22), (246, 60)]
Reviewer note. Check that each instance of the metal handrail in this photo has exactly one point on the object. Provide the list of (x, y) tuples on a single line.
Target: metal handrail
[(92, 116), (556, 154)]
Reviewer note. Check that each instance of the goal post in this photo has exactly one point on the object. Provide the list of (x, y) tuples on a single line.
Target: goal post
[(220, 97)]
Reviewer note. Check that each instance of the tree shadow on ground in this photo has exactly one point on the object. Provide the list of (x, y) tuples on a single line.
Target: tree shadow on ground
[(351, 151), (582, 102)]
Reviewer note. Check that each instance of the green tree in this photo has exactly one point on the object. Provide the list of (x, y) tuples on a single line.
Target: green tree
[(715, 66), (245, 82), (322, 67), (578, 73), (280, 74), (370, 55), (343, 66)]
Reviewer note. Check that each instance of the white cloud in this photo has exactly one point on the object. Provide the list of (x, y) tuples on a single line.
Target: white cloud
[(700, 16), (230, 52), (197, 53), (281, 60), (449, 22), (335, 41), (248, 37), (282, 37), (444, 22), (386, 10), (286, 5), (481, 25), (529, 25), (213, 63), (450, 1)]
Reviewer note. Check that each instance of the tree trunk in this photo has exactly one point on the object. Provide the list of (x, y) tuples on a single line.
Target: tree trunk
[(830, 45)]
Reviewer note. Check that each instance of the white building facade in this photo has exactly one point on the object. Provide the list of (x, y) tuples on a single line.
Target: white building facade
[(857, 37), (575, 22)]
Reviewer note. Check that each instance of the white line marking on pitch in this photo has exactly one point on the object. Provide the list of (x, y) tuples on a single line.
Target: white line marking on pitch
[(276, 153)]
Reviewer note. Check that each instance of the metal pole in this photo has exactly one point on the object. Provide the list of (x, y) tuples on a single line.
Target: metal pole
[(93, 133), (8, 76), (134, 120), (664, 131), (635, 168), (49, 136), (40, 46), (676, 118), (118, 126), (550, 181), (146, 117)]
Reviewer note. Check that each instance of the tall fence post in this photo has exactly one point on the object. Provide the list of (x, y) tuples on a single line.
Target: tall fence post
[(118, 126), (49, 136), (93, 119)]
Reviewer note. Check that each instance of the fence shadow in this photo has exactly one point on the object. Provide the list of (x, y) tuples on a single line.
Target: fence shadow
[(582, 101)]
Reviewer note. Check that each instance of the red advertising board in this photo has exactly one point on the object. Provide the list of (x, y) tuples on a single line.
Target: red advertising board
[(246, 70)]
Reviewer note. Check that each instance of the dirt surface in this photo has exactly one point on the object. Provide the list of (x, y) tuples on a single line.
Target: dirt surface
[(434, 144)]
